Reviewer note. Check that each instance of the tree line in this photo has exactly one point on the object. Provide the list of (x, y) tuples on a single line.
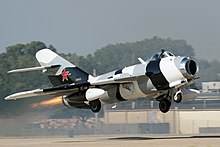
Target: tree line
[(108, 58)]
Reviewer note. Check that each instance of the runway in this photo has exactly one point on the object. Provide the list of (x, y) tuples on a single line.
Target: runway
[(114, 141)]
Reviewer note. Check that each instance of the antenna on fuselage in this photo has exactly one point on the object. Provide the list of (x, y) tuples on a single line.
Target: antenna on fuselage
[(162, 51)]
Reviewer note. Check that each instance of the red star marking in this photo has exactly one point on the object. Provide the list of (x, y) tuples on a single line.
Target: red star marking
[(65, 75)]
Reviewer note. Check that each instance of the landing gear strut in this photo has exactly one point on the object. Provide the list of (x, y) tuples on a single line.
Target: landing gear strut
[(95, 106), (178, 97), (165, 100), (164, 105)]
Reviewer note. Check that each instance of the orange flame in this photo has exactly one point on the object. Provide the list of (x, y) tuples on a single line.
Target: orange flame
[(51, 102)]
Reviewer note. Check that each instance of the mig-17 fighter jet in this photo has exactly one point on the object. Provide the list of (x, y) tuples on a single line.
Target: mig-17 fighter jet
[(163, 77)]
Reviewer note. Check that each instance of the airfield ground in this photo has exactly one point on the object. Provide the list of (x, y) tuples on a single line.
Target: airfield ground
[(114, 141)]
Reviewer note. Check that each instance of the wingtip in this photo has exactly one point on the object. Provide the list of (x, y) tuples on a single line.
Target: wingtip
[(9, 72), (8, 98)]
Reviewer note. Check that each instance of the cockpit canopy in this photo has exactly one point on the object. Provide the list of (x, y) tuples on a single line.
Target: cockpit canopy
[(161, 55)]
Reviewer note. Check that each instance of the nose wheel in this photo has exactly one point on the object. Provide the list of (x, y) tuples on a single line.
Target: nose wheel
[(164, 105), (178, 97)]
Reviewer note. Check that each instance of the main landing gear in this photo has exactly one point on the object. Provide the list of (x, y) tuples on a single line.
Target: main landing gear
[(95, 105), (165, 100)]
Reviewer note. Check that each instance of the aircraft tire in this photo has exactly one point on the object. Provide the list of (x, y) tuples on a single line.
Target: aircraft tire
[(164, 105), (178, 98), (95, 106)]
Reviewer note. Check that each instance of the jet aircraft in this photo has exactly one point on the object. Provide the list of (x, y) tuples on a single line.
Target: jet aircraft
[(163, 77)]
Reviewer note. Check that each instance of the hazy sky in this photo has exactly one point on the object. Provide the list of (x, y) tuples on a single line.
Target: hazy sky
[(81, 26)]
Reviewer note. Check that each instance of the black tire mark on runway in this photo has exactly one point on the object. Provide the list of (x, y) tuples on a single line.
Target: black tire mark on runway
[(165, 137)]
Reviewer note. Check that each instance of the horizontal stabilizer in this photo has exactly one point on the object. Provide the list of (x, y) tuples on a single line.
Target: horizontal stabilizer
[(33, 69), (25, 94), (58, 90)]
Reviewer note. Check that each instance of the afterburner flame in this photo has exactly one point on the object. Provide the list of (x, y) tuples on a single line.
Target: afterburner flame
[(51, 102)]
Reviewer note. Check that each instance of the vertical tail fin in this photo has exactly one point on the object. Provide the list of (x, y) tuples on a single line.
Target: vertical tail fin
[(65, 73)]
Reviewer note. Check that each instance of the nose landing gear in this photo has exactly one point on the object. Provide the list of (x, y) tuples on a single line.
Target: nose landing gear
[(164, 105), (178, 97), (165, 100)]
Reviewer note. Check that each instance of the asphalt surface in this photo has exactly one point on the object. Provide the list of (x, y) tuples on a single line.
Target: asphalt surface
[(114, 141)]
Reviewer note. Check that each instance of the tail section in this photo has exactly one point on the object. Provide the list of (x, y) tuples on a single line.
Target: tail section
[(65, 73)]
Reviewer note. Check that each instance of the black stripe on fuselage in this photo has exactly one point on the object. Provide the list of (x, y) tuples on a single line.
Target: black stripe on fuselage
[(156, 76)]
